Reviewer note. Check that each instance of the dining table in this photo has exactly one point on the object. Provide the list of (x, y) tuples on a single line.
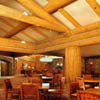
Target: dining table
[(40, 87), (93, 80), (93, 90), (46, 79), (43, 90)]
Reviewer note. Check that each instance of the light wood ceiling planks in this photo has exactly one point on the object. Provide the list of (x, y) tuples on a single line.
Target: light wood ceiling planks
[(83, 16)]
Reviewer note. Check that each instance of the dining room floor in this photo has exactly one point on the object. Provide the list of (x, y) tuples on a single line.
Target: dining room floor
[(2, 97), (14, 80)]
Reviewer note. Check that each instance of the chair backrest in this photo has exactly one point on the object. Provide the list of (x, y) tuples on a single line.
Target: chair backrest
[(74, 86), (8, 84), (57, 79), (87, 76), (36, 80), (81, 82), (48, 74), (29, 91), (82, 95)]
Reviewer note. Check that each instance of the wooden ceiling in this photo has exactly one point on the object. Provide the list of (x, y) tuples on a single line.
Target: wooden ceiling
[(50, 24)]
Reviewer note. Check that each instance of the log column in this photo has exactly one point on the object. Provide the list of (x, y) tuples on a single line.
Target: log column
[(72, 63)]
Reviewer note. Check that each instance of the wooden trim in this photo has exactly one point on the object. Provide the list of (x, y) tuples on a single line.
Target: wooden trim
[(69, 17), (18, 15), (53, 5)]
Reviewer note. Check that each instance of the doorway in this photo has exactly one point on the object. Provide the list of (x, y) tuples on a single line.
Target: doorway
[(4, 68)]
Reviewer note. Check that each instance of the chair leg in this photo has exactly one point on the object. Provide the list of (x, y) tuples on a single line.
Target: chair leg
[(6, 96), (19, 97), (61, 97)]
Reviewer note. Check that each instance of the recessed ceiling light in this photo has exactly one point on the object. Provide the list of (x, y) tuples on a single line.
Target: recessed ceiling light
[(26, 13), (23, 42)]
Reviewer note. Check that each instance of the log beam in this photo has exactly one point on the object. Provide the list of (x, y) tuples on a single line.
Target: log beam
[(16, 46), (87, 38), (18, 15), (81, 29), (69, 17), (16, 30), (86, 28), (41, 13), (53, 5), (95, 6)]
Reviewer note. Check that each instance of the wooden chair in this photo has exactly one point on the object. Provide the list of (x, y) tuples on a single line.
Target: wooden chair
[(82, 95), (58, 92), (87, 76), (72, 90), (29, 91), (9, 90), (81, 82), (57, 79)]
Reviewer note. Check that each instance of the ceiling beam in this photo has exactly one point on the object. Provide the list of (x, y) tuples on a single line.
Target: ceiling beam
[(28, 35), (71, 39), (69, 17), (16, 46), (41, 13), (16, 30), (95, 6), (81, 29), (18, 15), (86, 28), (2, 53), (84, 42), (54, 5)]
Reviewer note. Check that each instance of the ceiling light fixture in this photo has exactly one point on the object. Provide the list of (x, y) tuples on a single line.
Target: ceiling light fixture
[(46, 59)]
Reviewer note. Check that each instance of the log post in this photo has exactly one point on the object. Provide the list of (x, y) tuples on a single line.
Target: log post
[(72, 63)]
